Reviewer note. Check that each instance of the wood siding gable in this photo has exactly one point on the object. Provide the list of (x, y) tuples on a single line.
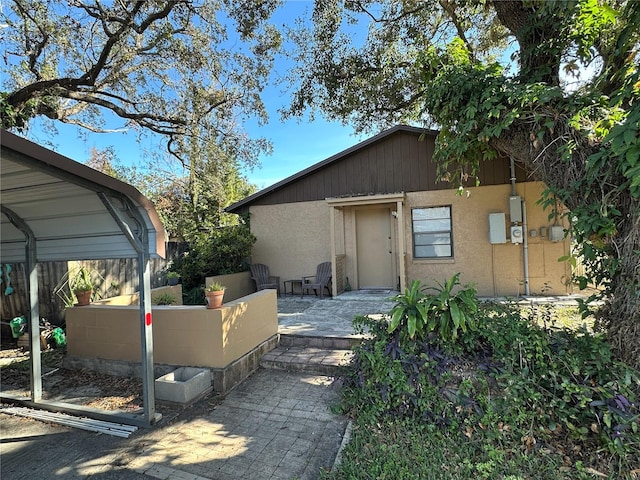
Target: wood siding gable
[(398, 160)]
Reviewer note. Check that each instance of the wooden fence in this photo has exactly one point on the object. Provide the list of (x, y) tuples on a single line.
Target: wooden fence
[(115, 277)]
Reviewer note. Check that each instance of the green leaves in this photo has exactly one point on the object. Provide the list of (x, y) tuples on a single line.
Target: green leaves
[(409, 313), (416, 314)]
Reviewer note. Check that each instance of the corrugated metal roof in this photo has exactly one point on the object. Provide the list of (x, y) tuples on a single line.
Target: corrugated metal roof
[(67, 207)]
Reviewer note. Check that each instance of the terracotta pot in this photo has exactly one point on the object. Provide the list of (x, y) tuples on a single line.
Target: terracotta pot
[(84, 297), (214, 299)]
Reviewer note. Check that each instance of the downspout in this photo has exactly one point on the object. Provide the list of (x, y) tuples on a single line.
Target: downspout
[(525, 246), (512, 166)]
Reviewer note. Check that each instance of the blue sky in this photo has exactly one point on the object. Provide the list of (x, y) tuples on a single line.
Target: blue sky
[(297, 143)]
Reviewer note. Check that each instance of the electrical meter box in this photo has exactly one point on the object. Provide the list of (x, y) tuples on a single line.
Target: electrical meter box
[(497, 228), (515, 209), (517, 234)]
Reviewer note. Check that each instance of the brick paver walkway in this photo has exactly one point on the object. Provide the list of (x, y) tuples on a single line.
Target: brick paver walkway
[(275, 425)]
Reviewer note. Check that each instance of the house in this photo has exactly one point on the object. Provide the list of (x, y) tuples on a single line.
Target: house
[(378, 214)]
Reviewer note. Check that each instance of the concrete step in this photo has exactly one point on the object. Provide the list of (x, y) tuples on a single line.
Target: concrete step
[(323, 361), (328, 343)]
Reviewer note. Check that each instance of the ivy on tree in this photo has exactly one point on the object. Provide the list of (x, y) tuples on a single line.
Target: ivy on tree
[(505, 77)]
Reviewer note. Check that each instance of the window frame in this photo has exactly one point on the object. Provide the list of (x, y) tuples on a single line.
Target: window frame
[(449, 232)]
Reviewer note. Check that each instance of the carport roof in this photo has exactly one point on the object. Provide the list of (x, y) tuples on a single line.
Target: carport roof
[(73, 211)]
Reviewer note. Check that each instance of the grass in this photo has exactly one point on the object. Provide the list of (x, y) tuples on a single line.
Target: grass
[(545, 409), (396, 451)]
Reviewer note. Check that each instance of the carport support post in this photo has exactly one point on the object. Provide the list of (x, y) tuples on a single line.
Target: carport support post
[(31, 264), (146, 334), (141, 246), (34, 322)]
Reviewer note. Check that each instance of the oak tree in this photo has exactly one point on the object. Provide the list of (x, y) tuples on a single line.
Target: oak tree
[(552, 85), (176, 68)]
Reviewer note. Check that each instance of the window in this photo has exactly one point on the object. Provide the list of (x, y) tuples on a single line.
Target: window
[(432, 232)]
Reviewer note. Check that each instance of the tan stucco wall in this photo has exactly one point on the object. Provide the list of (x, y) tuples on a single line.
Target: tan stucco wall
[(293, 238), (182, 335), (497, 270), (237, 284)]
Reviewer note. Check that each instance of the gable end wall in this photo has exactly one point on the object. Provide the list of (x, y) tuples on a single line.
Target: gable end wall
[(397, 163)]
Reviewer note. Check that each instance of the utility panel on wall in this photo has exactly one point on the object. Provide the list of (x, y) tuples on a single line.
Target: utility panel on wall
[(515, 209), (497, 228)]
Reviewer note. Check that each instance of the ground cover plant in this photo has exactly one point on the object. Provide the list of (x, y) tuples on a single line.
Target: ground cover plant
[(509, 397)]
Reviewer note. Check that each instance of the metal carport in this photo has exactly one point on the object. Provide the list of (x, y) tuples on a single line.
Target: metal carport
[(56, 209)]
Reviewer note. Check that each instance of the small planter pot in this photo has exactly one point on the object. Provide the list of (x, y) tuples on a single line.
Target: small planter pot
[(84, 297), (172, 281), (214, 299)]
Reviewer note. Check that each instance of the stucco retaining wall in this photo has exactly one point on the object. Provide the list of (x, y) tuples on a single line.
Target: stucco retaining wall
[(134, 298), (238, 285), (182, 335)]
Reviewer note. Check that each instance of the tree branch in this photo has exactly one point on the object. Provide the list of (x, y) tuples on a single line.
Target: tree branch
[(157, 123), (33, 54), (451, 11)]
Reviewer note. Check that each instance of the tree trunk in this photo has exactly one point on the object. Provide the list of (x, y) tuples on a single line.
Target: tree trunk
[(538, 61), (620, 315)]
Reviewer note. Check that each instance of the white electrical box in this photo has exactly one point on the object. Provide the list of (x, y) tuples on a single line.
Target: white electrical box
[(517, 234), (515, 209), (497, 228), (556, 233)]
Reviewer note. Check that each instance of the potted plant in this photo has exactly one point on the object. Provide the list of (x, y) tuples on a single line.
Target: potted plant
[(172, 278), (82, 286), (214, 294)]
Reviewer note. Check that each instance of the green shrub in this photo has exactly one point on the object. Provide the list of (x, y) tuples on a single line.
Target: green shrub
[(393, 376), (409, 315), (417, 313), (163, 299), (560, 379), (226, 251), (515, 383)]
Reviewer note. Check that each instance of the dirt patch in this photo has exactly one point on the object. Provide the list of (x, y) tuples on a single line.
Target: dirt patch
[(80, 387), (83, 387)]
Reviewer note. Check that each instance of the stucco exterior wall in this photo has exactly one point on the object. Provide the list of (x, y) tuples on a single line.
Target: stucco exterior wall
[(293, 238), (497, 270), (182, 335)]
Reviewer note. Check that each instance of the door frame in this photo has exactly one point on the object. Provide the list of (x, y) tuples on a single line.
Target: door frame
[(396, 204)]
